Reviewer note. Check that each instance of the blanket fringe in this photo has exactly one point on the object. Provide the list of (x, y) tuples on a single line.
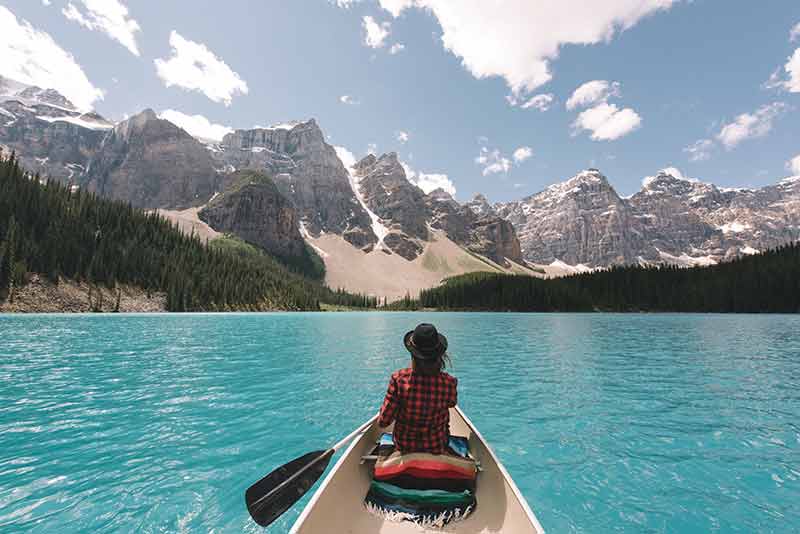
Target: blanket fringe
[(426, 522)]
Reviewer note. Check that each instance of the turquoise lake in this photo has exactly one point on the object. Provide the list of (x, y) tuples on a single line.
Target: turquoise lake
[(608, 423)]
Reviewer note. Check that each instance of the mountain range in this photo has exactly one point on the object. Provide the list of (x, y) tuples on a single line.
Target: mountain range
[(286, 190)]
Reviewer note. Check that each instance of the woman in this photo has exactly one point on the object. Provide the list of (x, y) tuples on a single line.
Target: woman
[(419, 397)]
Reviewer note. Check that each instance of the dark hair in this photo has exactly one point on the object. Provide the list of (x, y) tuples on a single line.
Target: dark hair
[(430, 367)]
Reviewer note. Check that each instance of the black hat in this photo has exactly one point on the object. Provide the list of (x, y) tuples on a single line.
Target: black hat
[(425, 343)]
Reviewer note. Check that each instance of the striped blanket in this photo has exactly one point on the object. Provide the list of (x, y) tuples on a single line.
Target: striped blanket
[(430, 489)]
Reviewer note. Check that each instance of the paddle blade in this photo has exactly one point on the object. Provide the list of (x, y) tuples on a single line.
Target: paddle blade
[(271, 496)]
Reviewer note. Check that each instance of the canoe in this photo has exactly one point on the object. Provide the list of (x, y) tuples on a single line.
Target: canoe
[(338, 505)]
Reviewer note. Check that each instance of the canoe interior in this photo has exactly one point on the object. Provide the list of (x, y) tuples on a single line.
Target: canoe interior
[(337, 506)]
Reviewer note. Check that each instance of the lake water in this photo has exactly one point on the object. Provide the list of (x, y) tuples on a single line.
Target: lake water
[(608, 423)]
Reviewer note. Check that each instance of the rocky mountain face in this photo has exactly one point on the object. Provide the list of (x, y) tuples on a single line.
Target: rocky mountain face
[(144, 160), (48, 134), (307, 171), (700, 219), (252, 208), (399, 205), (406, 213), (584, 222), (580, 221), (480, 231), (152, 163)]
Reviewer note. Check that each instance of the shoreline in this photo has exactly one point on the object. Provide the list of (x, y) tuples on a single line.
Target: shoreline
[(40, 295)]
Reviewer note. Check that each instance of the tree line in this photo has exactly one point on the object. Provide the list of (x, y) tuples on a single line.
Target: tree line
[(767, 282), (57, 231)]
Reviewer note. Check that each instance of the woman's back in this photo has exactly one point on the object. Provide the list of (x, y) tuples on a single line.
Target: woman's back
[(420, 405)]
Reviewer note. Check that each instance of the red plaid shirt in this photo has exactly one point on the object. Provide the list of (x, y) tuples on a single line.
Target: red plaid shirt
[(419, 405)]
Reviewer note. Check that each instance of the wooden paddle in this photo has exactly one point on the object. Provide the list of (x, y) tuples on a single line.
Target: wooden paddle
[(271, 496)]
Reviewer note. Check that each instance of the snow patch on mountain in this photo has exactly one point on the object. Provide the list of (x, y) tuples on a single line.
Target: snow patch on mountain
[(78, 121), (349, 161), (734, 227)]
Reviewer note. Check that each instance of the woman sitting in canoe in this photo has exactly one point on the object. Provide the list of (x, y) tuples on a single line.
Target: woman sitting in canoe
[(419, 397)]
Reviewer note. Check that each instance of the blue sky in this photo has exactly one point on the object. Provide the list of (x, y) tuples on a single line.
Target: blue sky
[(711, 87)]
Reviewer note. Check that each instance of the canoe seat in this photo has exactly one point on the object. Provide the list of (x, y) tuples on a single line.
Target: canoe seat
[(430, 489)]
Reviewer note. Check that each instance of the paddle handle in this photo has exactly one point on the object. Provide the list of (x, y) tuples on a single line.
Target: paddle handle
[(355, 433)]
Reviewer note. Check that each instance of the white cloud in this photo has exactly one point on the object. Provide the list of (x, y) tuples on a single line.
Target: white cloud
[(522, 153), (375, 34), (32, 57), (517, 39), (196, 125), (795, 33), (372, 148), (402, 136), (607, 122), (46, 2), (195, 68), (428, 182), (493, 161), (593, 92), (789, 79), (700, 150), (750, 125), (541, 102), (794, 165), (792, 69), (677, 173), (347, 99), (397, 48), (108, 16)]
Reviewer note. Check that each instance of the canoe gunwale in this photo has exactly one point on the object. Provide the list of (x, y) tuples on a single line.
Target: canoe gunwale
[(510, 481), (328, 478)]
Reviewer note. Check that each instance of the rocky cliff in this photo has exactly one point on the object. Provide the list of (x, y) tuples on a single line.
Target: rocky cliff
[(252, 208), (152, 163), (477, 228), (307, 171), (399, 204)]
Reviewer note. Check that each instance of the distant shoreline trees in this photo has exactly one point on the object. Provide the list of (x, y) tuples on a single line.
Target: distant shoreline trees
[(762, 283)]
